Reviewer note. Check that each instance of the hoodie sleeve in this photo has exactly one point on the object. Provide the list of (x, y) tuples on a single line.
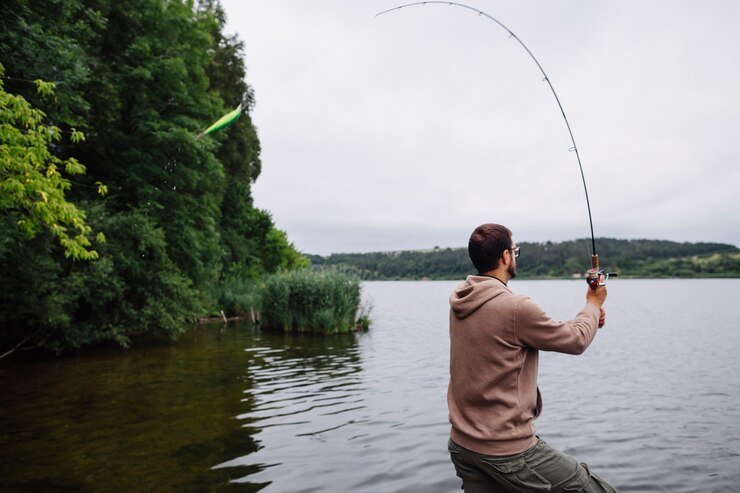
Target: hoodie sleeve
[(534, 328)]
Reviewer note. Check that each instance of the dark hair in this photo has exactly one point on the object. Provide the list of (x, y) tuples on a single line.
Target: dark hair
[(487, 244)]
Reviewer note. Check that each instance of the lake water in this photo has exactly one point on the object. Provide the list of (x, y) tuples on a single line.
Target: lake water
[(653, 405)]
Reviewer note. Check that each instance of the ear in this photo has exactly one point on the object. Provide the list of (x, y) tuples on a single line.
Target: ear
[(505, 258)]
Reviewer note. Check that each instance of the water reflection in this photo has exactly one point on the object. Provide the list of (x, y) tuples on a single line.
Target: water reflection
[(159, 418), (297, 388)]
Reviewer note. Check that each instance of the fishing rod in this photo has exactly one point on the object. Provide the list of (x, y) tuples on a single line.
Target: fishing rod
[(594, 274)]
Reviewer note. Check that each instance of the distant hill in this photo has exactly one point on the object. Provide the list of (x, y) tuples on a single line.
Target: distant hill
[(629, 258)]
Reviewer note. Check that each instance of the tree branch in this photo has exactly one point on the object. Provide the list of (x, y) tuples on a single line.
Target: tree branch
[(11, 351)]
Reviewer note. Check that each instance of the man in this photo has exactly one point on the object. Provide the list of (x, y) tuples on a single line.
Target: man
[(493, 397)]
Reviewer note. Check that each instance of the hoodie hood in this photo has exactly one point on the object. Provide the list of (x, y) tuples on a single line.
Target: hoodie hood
[(475, 292)]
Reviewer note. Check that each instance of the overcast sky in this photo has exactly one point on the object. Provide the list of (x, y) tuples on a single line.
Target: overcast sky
[(407, 130)]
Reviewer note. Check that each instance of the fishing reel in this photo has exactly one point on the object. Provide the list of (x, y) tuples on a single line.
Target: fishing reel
[(593, 275)]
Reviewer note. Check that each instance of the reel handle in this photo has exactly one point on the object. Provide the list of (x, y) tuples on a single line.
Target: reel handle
[(594, 273)]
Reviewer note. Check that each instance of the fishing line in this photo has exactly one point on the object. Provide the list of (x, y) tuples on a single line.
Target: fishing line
[(574, 148)]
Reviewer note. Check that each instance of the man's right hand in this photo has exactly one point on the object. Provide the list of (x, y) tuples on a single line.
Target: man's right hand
[(597, 296)]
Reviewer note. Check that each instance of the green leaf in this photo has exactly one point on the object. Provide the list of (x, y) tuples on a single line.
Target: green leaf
[(45, 88)]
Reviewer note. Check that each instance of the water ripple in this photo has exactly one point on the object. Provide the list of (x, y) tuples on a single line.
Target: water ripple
[(370, 415)]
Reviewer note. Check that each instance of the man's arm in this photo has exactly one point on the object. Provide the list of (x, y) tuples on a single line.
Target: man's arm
[(534, 328)]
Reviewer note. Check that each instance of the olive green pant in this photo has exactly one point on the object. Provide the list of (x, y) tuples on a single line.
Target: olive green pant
[(541, 468)]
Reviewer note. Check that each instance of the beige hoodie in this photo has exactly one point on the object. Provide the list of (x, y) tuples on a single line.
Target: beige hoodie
[(495, 336)]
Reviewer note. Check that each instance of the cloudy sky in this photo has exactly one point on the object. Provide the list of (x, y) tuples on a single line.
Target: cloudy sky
[(407, 130)]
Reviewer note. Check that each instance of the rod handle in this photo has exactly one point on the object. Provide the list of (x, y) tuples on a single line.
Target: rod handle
[(593, 275)]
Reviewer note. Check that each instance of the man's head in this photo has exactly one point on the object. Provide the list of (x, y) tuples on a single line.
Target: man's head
[(487, 248)]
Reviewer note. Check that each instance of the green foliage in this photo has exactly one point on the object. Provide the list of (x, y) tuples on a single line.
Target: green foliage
[(130, 84), (303, 300), (631, 258), (51, 41), (725, 264), (238, 292), (279, 253), (75, 304), (32, 186)]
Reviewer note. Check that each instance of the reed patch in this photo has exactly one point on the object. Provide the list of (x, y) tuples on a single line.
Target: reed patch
[(324, 302)]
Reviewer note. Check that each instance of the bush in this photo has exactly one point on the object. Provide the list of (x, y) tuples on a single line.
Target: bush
[(237, 294), (325, 302)]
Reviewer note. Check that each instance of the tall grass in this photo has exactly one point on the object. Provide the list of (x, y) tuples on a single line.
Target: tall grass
[(325, 302), (237, 295)]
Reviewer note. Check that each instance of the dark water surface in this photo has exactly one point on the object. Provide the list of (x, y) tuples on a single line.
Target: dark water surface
[(653, 405)]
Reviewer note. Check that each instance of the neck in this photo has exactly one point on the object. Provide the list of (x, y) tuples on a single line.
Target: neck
[(496, 275)]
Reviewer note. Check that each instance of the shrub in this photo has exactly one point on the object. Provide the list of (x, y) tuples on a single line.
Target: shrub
[(325, 302)]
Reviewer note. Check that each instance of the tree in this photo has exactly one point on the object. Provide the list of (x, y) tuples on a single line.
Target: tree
[(141, 79), (32, 186)]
